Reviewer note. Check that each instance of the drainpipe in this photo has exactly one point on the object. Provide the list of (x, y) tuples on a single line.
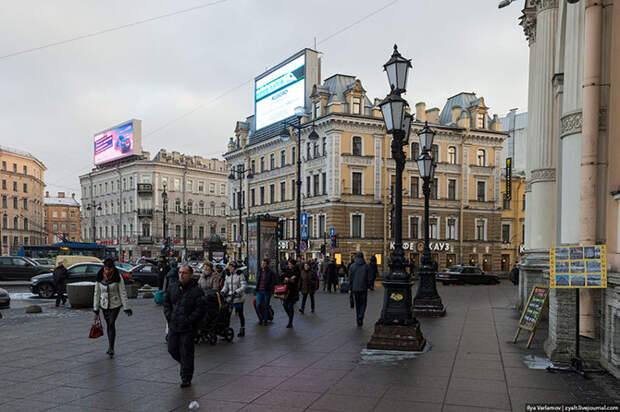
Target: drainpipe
[(589, 149)]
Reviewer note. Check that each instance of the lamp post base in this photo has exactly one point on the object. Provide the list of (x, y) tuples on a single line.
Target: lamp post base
[(397, 337), (429, 308)]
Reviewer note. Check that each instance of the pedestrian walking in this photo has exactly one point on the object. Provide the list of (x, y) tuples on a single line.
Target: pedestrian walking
[(373, 270), (162, 270), (290, 278), (110, 296), (209, 279), (234, 288), (332, 275), (60, 281), (358, 285), (184, 308), (514, 277), (323, 270), (265, 284), (309, 285)]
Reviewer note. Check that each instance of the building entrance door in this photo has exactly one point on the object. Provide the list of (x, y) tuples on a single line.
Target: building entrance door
[(505, 263), (486, 263)]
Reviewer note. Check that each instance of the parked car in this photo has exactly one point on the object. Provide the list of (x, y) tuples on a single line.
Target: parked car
[(44, 261), (466, 274), (5, 299), (145, 274), (19, 268), (145, 260), (43, 285)]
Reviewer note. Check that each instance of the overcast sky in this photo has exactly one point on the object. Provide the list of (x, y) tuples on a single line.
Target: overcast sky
[(55, 99)]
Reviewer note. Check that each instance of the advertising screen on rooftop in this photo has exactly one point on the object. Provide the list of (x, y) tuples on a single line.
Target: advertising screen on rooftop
[(279, 92), (116, 143)]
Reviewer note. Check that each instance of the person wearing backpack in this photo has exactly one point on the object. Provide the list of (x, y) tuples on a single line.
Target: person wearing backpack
[(234, 288)]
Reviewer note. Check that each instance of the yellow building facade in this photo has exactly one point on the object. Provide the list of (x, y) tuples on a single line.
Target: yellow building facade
[(348, 174)]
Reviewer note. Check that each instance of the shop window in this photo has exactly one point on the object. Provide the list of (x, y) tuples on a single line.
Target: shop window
[(505, 263)]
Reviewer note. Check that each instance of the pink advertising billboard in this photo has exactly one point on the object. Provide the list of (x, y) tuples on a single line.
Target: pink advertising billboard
[(118, 142)]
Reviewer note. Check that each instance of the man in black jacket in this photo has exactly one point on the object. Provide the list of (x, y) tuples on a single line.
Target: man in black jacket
[(358, 285), (265, 284), (184, 308), (60, 280), (162, 270)]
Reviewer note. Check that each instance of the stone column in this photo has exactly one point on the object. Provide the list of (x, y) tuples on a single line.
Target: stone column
[(540, 25)]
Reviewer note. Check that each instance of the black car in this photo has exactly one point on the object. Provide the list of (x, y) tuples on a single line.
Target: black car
[(466, 274), (145, 274), (19, 268), (43, 285)]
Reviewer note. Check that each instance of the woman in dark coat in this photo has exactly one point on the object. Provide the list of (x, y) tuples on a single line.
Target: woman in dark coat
[(309, 285), (372, 272), (291, 278)]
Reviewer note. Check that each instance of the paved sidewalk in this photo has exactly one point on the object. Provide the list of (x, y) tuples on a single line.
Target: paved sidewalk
[(48, 363)]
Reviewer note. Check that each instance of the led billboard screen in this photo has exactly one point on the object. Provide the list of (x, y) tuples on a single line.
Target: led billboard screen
[(279, 92), (117, 142)]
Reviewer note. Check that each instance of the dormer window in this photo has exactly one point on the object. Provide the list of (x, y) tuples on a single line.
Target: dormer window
[(357, 106), (317, 109), (480, 120), (481, 157)]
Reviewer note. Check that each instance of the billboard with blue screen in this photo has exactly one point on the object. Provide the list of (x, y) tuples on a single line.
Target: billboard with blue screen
[(278, 92), (118, 142)]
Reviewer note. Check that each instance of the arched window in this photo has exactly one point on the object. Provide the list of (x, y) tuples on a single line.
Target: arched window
[(481, 157), (25, 223), (190, 207), (356, 145), (4, 222), (177, 205), (415, 150), (452, 155), (212, 209), (201, 208), (15, 222), (223, 209)]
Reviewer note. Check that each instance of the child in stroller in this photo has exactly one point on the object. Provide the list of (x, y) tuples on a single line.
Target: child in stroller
[(217, 319)]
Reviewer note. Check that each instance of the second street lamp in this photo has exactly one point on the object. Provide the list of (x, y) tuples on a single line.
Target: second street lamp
[(427, 301)]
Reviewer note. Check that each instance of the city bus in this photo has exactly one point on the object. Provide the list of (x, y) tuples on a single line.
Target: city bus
[(67, 248)]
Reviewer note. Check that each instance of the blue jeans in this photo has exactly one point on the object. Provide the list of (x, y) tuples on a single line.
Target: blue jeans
[(263, 298)]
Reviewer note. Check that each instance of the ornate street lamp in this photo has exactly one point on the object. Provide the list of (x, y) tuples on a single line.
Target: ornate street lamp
[(397, 328), (238, 174), (427, 301), (164, 198), (313, 136)]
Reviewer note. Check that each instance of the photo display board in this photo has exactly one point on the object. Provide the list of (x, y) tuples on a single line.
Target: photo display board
[(578, 267)]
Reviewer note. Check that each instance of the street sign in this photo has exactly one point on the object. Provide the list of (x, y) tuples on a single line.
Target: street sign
[(303, 246), (304, 232), (304, 219), (332, 231), (239, 238)]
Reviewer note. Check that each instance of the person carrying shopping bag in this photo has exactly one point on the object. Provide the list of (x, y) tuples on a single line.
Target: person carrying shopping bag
[(110, 296)]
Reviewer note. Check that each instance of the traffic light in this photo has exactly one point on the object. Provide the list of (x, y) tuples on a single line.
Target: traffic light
[(333, 241), (281, 229)]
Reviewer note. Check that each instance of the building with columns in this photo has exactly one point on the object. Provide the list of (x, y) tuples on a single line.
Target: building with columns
[(122, 203), (573, 177), (348, 174)]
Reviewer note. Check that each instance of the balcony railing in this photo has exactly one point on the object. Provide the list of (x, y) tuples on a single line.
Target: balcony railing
[(145, 240), (145, 212), (145, 188)]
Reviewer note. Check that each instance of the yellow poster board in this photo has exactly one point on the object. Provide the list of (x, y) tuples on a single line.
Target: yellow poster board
[(578, 267)]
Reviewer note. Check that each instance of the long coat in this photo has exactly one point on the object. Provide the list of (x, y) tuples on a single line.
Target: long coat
[(358, 275), (184, 306), (309, 281)]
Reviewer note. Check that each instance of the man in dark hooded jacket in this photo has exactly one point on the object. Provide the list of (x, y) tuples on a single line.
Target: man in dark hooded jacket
[(359, 282), (184, 308)]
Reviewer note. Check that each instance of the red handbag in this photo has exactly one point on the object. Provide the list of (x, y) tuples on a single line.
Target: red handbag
[(96, 329), (281, 289)]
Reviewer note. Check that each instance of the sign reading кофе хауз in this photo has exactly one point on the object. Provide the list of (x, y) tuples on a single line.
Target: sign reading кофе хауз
[(419, 246)]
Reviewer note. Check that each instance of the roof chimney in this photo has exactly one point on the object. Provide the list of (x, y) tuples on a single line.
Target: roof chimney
[(432, 115), (47, 194), (61, 195), (72, 195), (420, 112), (456, 112)]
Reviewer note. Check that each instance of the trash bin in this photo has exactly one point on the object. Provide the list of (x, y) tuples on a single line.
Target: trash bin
[(80, 294)]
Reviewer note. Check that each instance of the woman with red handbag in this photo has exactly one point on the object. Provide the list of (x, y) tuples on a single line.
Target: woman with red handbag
[(291, 278), (110, 296)]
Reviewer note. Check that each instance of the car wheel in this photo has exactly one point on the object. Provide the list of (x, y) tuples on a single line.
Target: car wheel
[(444, 282), (46, 291)]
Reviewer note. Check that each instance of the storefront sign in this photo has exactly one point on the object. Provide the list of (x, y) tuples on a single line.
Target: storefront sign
[(419, 246)]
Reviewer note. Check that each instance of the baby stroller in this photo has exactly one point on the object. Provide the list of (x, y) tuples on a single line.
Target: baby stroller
[(217, 319)]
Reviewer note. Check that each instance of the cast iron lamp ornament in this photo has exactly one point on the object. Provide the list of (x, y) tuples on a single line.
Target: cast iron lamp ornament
[(397, 328)]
